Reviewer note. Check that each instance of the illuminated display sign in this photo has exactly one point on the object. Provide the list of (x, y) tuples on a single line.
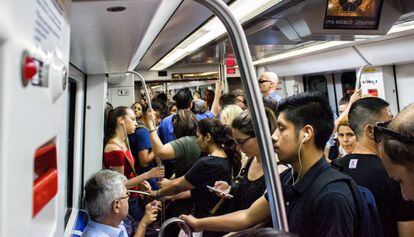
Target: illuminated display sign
[(353, 14), (231, 71)]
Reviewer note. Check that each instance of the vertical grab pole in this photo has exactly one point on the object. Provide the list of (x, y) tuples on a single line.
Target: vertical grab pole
[(254, 99), (144, 84)]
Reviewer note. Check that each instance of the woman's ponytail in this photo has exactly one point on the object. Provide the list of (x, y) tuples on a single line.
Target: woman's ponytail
[(110, 123), (221, 135)]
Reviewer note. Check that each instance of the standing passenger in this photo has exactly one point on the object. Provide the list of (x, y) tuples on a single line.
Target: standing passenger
[(268, 85), (222, 162), (397, 149), (365, 167), (305, 123), (119, 123)]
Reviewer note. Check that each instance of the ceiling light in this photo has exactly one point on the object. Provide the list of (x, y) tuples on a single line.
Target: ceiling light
[(243, 10), (296, 52)]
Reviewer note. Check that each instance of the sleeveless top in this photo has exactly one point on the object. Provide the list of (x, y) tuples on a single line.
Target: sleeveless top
[(121, 158), (246, 192)]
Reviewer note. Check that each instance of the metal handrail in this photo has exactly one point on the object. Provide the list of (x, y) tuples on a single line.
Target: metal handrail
[(173, 221), (255, 103)]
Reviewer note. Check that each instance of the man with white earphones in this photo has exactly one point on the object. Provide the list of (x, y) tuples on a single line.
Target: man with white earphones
[(315, 206)]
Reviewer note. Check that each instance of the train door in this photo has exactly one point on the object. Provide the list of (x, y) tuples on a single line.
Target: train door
[(74, 167), (33, 125)]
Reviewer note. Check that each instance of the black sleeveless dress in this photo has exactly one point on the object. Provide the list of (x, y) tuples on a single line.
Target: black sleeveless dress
[(246, 192)]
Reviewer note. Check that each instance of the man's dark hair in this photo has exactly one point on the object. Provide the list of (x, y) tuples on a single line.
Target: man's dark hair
[(365, 111), (309, 108), (227, 99), (183, 98), (160, 107), (163, 97)]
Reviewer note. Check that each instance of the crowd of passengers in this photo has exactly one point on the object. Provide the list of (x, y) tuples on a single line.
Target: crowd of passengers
[(164, 161)]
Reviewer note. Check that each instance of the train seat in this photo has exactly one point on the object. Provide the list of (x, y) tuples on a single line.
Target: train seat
[(80, 224)]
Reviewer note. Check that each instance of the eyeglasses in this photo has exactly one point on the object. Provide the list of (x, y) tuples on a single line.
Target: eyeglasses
[(263, 81), (381, 130), (127, 196), (241, 143)]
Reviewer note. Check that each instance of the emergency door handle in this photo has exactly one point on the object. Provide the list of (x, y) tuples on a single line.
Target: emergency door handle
[(45, 181)]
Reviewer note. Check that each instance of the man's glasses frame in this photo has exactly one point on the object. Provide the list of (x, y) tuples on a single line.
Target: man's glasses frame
[(127, 196), (381, 130)]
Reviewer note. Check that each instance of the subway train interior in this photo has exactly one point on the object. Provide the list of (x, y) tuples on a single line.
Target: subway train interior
[(63, 61)]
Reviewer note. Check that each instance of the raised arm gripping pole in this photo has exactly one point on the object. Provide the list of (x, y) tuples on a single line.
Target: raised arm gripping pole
[(255, 103)]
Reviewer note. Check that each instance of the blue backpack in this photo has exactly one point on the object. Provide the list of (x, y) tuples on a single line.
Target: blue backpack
[(369, 224)]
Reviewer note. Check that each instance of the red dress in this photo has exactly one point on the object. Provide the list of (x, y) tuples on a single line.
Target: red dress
[(120, 158)]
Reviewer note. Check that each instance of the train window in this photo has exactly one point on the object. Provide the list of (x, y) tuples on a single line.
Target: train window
[(70, 161), (316, 83), (348, 80)]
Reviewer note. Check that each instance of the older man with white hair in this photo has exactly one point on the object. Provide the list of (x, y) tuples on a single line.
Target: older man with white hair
[(106, 200), (268, 85)]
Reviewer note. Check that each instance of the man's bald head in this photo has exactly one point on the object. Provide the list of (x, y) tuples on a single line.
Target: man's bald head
[(403, 123)]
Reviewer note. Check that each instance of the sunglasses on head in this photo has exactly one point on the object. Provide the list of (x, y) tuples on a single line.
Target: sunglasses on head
[(381, 130)]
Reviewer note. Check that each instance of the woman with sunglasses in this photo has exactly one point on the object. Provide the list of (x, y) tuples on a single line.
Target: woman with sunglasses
[(119, 123), (396, 145)]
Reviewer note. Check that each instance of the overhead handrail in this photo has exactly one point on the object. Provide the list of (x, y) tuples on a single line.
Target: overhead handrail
[(255, 103)]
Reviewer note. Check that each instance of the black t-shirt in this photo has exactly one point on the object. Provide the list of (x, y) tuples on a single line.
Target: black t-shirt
[(333, 213), (206, 171), (369, 172)]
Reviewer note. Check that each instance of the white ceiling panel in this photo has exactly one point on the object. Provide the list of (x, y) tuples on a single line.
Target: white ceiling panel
[(106, 42)]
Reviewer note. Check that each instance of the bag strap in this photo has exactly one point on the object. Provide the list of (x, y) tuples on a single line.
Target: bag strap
[(241, 175), (126, 156), (328, 176)]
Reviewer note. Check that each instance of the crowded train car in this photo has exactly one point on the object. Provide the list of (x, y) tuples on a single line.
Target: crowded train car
[(207, 118)]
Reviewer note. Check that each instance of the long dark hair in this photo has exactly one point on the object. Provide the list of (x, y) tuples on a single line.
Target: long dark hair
[(221, 136), (184, 123), (110, 121)]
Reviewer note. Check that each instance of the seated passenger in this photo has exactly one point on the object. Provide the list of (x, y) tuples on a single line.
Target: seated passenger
[(397, 149), (365, 167), (299, 140), (106, 200), (117, 156), (223, 162)]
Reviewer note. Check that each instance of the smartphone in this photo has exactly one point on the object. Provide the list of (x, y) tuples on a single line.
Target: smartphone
[(219, 191)]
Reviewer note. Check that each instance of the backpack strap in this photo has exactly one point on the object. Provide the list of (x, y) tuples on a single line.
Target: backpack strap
[(329, 176)]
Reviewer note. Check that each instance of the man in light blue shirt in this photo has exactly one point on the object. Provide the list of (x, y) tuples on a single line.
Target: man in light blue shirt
[(106, 200), (268, 85)]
